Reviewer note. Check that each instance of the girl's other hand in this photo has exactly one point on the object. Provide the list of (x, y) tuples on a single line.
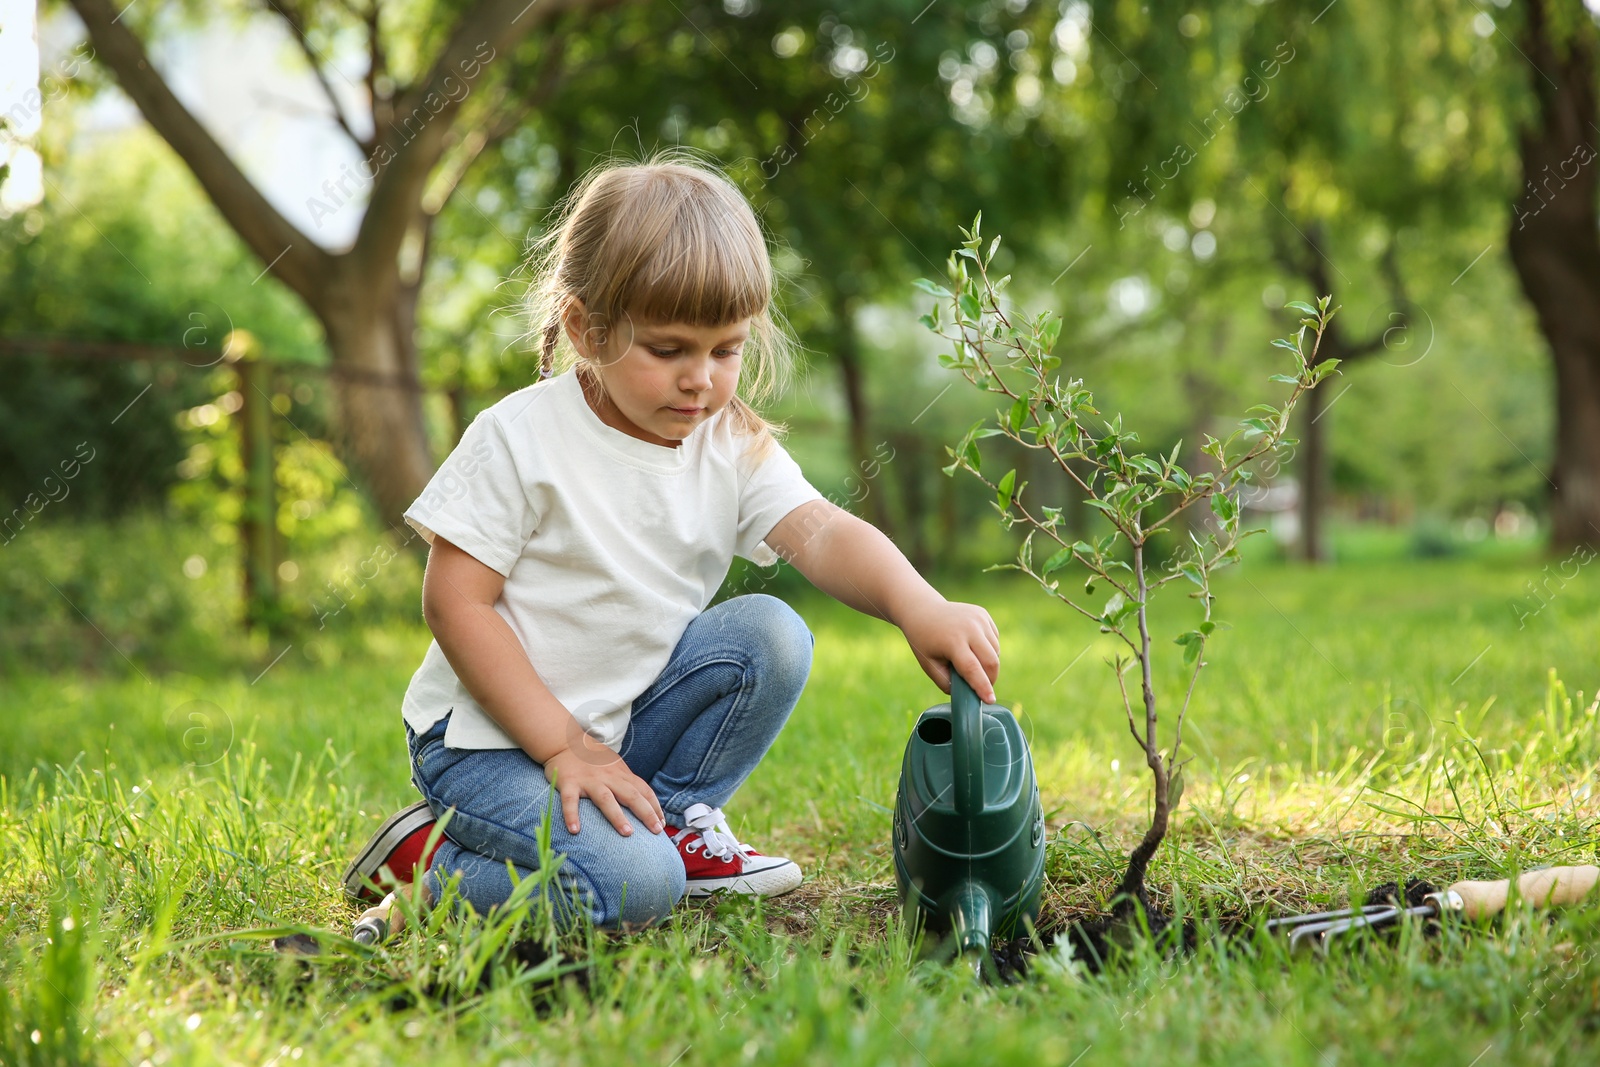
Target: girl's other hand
[(592, 770), (944, 633)]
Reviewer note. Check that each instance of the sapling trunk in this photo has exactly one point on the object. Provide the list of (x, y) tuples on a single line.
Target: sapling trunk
[(1010, 356)]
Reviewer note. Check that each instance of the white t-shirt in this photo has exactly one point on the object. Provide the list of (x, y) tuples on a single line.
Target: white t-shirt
[(609, 545)]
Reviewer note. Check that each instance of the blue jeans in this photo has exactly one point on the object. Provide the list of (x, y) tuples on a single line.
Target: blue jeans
[(695, 735)]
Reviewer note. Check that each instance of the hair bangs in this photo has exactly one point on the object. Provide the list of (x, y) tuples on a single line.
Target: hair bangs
[(698, 282), (703, 262)]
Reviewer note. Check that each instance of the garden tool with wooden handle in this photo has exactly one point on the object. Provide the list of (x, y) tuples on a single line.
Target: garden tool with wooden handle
[(372, 928), (375, 923), (1471, 900)]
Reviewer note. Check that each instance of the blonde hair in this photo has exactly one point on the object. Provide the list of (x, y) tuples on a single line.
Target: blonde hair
[(667, 240)]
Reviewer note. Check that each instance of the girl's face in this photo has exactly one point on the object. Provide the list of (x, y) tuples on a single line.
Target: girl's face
[(666, 379)]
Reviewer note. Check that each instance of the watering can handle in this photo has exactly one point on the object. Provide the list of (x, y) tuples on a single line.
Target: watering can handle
[(966, 721)]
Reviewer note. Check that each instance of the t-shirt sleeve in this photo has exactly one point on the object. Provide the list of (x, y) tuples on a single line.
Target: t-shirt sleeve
[(477, 500), (769, 489)]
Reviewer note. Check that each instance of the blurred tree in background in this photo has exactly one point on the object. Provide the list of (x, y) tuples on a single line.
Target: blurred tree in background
[(1167, 175), (432, 106)]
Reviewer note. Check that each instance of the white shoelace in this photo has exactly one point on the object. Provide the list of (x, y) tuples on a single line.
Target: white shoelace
[(712, 826)]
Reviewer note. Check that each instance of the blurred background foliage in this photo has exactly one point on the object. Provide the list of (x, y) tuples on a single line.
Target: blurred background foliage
[(1166, 175)]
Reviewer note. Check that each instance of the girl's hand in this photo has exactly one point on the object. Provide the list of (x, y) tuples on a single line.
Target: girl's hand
[(942, 633), (592, 770)]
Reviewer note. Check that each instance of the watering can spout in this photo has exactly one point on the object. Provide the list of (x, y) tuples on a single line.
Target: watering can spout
[(971, 917)]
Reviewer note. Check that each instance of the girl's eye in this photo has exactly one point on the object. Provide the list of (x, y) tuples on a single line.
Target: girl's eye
[(664, 351), (728, 351)]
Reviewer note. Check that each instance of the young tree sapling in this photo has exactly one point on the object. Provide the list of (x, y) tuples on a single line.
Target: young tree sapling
[(998, 349)]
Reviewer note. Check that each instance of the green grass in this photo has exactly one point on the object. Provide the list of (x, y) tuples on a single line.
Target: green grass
[(1356, 724)]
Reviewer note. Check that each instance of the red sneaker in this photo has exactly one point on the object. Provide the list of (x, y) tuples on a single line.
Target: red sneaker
[(394, 855), (717, 862)]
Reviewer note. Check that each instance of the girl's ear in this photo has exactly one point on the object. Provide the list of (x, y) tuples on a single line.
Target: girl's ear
[(589, 332), (575, 321)]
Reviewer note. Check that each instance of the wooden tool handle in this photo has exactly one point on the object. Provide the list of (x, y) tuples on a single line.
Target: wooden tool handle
[(1555, 885), (376, 923)]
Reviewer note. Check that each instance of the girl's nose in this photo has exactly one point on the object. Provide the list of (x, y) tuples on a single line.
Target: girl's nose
[(697, 376)]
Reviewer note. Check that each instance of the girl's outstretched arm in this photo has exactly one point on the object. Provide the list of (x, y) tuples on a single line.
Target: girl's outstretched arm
[(458, 598), (853, 562)]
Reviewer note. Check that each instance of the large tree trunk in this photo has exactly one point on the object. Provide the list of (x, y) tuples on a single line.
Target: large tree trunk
[(379, 395), (1555, 247)]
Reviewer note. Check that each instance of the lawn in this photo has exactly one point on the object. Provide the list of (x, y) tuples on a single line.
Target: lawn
[(1373, 721)]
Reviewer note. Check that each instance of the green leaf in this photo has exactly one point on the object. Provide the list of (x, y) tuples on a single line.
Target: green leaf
[(1145, 464), (1113, 607), (1287, 379), (1056, 561), (1191, 570), (1301, 306), (1174, 790), (1283, 342), (970, 307), (1048, 334), (1007, 481), (1019, 414), (932, 288)]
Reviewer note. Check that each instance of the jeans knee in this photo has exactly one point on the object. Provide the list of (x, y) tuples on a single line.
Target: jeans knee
[(779, 635), (650, 888)]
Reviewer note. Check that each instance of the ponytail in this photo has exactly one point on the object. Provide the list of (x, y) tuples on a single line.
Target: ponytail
[(547, 353)]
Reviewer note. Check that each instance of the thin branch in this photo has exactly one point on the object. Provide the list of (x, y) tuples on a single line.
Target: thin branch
[(1177, 736), (486, 32), (1127, 704), (1091, 616), (294, 258), (1032, 410), (1152, 750), (377, 70), (1199, 662), (297, 29), (506, 118)]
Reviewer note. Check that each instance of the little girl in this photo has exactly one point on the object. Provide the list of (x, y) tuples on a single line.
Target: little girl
[(578, 532)]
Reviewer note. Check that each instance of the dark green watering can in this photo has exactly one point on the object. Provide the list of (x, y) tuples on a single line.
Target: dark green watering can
[(968, 828)]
